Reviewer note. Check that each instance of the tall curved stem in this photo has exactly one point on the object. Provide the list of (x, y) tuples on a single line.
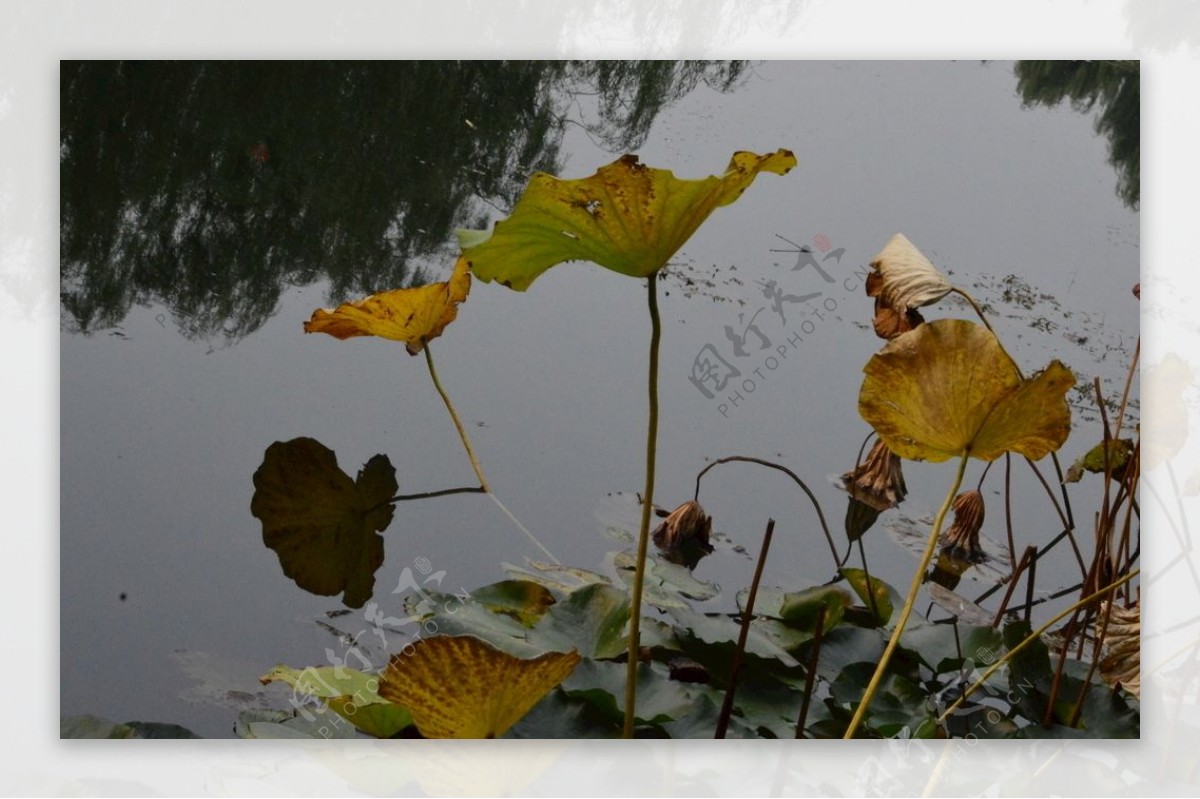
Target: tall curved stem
[(909, 601), (466, 442), (639, 575)]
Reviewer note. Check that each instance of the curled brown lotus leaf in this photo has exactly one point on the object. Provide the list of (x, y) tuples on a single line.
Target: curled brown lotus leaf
[(961, 541), (878, 481), (904, 278), (901, 280), (889, 323), (1123, 641)]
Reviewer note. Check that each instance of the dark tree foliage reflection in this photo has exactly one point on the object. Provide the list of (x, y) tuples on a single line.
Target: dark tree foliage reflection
[(212, 187), (1113, 86)]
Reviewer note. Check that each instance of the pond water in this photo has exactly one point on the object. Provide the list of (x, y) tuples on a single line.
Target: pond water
[(205, 219)]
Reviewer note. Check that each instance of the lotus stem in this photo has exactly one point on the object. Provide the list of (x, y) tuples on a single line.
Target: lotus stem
[(811, 677), (466, 442), (462, 432), (744, 634), (978, 312), (1033, 636), (837, 562), (639, 575), (528, 533), (445, 492), (909, 601), (1070, 521)]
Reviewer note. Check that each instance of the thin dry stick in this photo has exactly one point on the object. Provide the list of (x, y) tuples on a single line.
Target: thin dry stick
[(1078, 709), (1102, 529), (747, 459), (1033, 636), (744, 634), (639, 575), (811, 676), (1067, 520), (1056, 683), (997, 586), (1030, 580), (1132, 478), (1029, 553), (431, 494), (918, 578), (1059, 594), (1137, 351)]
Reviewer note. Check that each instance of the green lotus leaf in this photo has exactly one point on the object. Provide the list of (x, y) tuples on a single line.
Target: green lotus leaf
[(948, 387), (1094, 459), (627, 217), (800, 609), (351, 694), (873, 592), (524, 600)]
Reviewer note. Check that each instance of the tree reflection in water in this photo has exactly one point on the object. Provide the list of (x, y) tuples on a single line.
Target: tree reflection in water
[(213, 187), (1115, 86)]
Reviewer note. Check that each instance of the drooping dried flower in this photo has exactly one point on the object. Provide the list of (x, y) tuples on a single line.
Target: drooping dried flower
[(683, 537), (961, 541), (878, 480)]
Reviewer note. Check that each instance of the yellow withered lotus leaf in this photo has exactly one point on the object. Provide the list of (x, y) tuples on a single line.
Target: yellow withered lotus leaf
[(627, 217), (948, 387), (414, 315), (462, 687)]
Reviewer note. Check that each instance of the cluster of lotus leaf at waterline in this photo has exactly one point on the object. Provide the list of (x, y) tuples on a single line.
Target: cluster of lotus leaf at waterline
[(936, 391)]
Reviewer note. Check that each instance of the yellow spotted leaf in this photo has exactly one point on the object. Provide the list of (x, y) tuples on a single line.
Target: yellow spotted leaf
[(414, 315), (948, 387), (462, 687), (627, 217)]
